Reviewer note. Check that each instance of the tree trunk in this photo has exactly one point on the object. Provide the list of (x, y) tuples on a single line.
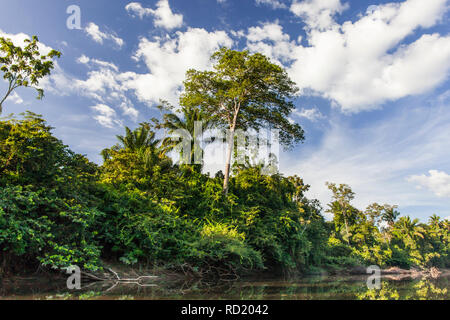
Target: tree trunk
[(346, 230), (228, 162), (5, 97)]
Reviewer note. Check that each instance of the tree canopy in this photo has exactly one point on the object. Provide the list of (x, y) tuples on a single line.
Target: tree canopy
[(24, 67), (139, 207), (244, 91)]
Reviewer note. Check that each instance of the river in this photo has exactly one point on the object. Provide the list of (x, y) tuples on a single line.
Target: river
[(305, 288)]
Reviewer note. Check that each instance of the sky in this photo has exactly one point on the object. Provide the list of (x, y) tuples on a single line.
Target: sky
[(373, 77)]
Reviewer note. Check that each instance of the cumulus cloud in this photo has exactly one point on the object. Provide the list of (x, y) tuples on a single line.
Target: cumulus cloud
[(437, 181), (268, 31), (15, 98), (103, 84), (93, 31), (362, 64), (168, 59), (163, 14), (318, 13), (275, 4), (376, 159), (136, 9), (106, 116), (312, 114), (270, 40), (359, 65), (96, 62), (19, 38)]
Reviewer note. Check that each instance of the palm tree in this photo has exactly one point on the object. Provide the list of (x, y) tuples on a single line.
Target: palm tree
[(140, 140), (435, 221), (389, 215), (186, 122), (410, 229)]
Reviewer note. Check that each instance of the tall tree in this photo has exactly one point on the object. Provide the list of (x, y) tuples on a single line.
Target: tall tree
[(390, 214), (378, 213), (341, 207), (244, 91), (24, 67), (383, 213)]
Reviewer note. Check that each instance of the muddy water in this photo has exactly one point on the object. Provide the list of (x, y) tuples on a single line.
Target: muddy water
[(318, 287)]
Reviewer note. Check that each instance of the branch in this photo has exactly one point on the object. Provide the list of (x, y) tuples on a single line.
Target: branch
[(10, 89)]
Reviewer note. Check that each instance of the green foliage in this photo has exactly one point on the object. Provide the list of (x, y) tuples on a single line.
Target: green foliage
[(58, 209), (244, 91), (184, 127), (46, 211), (404, 243), (223, 247), (24, 67)]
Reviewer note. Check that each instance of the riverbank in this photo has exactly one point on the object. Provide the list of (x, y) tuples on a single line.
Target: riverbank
[(42, 287), (144, 275)]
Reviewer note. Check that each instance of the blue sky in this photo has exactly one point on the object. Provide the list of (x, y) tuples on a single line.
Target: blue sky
[(373, 76)]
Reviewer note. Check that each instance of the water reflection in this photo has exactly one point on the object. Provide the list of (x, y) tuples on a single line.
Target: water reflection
[(342, 288)]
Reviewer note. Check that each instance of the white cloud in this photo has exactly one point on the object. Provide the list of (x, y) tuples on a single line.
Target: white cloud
[(103, 83), (275, 4), (15, 98), (98, 36), (106, 116), (358, 65), (98, 83), (164, 17), (19, 38), (318, 13), (312, 114), (376, 159), (136, 9), (83, 59), (169, 58), (437, 181), (268, 31), (96, 62), (270, 40)]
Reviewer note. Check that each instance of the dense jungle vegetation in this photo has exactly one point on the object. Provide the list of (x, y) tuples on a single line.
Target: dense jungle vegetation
[(140, 208), (57, 209)]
